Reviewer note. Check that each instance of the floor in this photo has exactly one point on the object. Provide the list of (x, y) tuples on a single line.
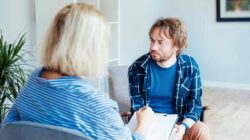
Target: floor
[(229, 114)]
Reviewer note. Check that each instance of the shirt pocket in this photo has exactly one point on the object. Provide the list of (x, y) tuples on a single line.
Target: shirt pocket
[(185, 87)]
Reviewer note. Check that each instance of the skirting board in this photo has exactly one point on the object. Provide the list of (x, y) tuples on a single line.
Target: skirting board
[(226, 85)]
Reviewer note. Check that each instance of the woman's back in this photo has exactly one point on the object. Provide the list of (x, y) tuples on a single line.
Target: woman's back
[(70, 102)]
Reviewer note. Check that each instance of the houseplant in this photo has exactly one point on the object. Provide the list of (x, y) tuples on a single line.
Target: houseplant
[(12, 72)]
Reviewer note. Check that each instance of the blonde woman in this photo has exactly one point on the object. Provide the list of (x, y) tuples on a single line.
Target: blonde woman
[(75, 47)]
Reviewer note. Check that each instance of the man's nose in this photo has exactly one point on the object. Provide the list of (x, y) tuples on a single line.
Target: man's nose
[(154, 46)]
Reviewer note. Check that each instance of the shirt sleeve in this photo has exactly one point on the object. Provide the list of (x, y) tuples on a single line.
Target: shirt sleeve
[(137, 136), (194, 106), (134, 89), (115, 128), (11, 116), (98, 117)]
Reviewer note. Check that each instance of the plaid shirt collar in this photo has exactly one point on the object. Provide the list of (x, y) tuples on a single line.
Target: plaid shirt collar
[(147, 59)]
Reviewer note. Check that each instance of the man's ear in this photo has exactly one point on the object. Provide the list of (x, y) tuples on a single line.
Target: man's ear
[(178, 51)]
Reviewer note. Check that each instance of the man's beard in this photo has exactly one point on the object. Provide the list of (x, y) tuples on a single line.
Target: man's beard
[(162, 59)]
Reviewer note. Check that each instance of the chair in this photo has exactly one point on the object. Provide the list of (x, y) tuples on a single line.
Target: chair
[(119, 90), (23, 130)]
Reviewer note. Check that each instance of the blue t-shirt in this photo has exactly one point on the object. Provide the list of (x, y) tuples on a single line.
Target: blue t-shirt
[(163, 82)]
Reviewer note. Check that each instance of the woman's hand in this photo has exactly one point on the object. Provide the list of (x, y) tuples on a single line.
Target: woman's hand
[(144, 118), (178, 132)]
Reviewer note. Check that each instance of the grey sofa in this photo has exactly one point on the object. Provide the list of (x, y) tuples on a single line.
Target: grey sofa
[(119, 89)]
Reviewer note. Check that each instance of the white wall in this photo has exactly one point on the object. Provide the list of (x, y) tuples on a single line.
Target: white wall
[(221, 49), (16, 18), (136, 18), (45, 12)]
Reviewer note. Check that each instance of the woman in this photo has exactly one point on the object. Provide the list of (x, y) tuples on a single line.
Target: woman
[(59, 94)]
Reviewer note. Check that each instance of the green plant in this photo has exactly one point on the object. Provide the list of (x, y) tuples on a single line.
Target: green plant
[(12, 73)]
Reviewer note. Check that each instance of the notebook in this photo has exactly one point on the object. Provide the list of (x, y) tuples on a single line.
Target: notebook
[(161, 127)]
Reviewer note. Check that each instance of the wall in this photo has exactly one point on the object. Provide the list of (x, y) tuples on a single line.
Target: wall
[(136, 18), (18, 17), (45, 12), (221, 49)]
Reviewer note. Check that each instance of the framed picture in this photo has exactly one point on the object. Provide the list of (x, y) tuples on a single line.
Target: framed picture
[(233, 10)]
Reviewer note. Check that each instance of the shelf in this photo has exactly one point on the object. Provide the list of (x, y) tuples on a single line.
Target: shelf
[(114, 44), (112, 60), (114, 22), (113, 63), (110, 8), (92, 2)]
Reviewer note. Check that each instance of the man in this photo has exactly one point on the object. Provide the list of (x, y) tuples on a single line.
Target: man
[(169, 82)]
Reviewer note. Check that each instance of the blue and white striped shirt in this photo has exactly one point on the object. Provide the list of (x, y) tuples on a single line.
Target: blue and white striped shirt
[(69, 102)]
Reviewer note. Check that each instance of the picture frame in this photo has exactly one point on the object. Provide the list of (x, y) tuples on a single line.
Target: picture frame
[(232, 10)]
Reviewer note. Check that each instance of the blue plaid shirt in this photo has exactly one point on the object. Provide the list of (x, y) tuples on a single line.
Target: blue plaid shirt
[(188, 90)]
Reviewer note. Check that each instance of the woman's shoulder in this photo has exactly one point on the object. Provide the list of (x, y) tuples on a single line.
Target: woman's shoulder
[(96, 99)]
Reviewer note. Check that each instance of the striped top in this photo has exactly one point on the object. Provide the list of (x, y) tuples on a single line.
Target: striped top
[(69, 102)]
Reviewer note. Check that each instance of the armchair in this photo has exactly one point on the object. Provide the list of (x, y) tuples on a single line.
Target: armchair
[(119, 89), (24, 130)]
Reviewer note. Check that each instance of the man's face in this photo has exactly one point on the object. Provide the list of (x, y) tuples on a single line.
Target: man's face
[(161, 47)]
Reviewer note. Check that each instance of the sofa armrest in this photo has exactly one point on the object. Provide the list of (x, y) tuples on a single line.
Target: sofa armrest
[(204, 108)]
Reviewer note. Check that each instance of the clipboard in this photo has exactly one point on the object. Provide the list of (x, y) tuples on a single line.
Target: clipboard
[(161, 127)]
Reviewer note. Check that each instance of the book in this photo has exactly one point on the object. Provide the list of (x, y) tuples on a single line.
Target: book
[(161, 127)]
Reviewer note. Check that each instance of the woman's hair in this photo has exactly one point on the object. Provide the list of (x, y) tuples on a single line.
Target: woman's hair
[(76, 42), (174, 29)]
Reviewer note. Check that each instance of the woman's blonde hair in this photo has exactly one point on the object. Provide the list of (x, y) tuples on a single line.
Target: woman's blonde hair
[(172, 28), (76, 42)]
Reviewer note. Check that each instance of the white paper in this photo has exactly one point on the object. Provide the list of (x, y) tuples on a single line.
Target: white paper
[(161, 127)]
